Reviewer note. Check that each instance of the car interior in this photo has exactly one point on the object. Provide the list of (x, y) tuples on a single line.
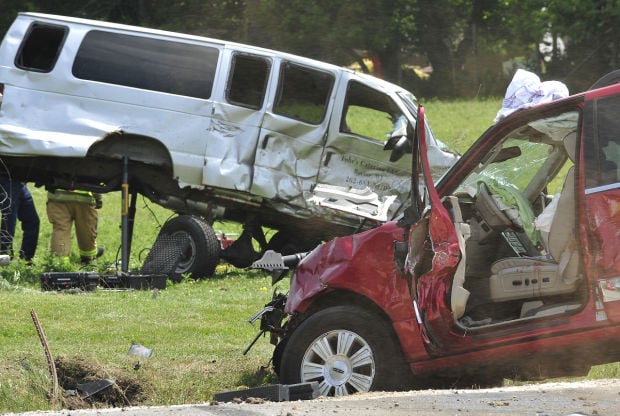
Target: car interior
[(516, 222)]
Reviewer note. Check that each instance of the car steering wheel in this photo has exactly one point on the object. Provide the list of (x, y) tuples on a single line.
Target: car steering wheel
[(493, 215)]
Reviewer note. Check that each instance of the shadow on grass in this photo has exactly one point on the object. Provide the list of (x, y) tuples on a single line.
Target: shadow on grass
[(263, 376)]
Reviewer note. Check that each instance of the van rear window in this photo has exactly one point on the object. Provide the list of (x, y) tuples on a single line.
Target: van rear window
[(41, 47), (147, 63)]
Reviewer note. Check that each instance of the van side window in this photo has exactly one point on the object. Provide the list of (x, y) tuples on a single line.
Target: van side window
[(41, 47), (303, 93), (248, 81), (368, 112), (147, 63), (602, 152)]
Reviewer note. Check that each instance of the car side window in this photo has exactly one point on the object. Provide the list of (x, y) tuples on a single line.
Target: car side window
[(602, 151), (147, 63), (248, 81), (41, 47), (303, 93), (368, 112)]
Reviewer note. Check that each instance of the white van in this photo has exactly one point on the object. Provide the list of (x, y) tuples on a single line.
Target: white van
[(208, 128)]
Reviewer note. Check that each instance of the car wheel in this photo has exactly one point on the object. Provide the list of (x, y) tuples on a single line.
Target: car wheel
[(346, 350), (203, 252)]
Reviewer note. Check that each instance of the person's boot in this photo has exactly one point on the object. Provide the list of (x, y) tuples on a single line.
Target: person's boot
[(87, 259)]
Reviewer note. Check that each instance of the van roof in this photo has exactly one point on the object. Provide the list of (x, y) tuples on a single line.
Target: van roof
[(224, 43)]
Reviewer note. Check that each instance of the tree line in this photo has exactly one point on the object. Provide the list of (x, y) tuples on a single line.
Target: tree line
[(435, 48)]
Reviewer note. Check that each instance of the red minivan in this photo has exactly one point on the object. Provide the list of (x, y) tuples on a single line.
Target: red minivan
[(506, 267)]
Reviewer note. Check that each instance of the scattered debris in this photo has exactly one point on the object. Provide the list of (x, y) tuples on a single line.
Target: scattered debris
[(139, 351), (274, 393), (86, 385), (94, 387)]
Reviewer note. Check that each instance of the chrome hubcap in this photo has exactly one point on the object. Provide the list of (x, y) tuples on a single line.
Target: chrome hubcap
[(341, 362)]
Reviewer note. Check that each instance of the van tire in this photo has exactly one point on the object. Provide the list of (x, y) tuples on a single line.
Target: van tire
[(203, 254), (371, 360)]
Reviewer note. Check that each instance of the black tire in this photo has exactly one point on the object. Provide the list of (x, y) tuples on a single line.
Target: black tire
[(203, 252), (345, 349)]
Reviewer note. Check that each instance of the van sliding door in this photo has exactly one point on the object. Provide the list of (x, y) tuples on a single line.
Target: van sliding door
[(236, 121), (290, 143)]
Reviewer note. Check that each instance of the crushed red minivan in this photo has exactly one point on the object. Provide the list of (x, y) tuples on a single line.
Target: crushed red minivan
[(506, 267)]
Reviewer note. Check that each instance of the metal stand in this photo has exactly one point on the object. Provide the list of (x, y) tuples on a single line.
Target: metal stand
[(128, 214), (163, 260)]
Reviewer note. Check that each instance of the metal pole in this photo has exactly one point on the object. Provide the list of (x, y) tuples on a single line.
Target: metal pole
[(125, 217), (130, 221)]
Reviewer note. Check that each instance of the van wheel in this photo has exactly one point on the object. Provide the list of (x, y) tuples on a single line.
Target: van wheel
[(203, 252), (346, 350)]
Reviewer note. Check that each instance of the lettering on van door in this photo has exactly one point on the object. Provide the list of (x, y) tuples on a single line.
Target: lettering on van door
[(354, 159)]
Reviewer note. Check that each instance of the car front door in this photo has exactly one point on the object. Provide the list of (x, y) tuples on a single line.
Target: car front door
[(434, 251)]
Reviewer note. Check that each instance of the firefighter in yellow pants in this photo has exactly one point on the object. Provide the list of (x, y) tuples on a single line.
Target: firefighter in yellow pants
[(64, 207)]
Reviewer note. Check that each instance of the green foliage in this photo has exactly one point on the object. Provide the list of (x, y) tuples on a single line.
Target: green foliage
[(473, 46)]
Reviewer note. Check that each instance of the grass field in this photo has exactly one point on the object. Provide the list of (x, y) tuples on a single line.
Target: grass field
[(198, 330)]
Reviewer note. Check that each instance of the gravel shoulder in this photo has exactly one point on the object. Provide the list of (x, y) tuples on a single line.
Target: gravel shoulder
[(591, 397)]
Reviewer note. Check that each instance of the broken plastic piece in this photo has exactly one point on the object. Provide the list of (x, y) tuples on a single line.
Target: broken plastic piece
[(140, 351), (94, 387)]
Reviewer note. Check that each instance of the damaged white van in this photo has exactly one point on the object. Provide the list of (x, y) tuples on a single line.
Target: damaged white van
[(208, 128)]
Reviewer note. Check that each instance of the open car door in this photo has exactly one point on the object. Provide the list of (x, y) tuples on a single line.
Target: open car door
[(434, 249)]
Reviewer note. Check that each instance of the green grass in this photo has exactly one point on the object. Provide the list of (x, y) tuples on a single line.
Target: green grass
[(197, 329), (459, 123)]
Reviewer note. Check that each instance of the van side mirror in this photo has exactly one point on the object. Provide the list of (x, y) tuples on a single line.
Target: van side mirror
[(399, 140), (399, 145)]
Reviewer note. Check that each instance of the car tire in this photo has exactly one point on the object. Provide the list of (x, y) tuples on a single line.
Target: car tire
[(345, 349), (203, 253)]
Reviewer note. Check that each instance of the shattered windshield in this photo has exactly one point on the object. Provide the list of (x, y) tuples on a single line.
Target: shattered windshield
[(528, 159)]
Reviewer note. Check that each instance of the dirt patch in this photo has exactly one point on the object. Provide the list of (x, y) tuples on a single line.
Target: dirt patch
[(87, 384)]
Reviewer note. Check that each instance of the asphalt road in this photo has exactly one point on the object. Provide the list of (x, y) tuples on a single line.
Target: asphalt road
[(594, 397)]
